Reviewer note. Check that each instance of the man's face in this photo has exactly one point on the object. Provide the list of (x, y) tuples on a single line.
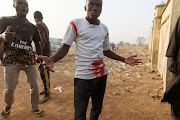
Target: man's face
[(21, 7), (35, 18), (93, 8)]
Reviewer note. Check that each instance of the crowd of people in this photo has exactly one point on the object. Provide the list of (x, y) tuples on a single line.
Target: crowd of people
[(91, 38)]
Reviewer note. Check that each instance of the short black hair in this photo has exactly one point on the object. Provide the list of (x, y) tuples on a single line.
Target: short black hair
[(38, 14), (16, 0), (87, 0)]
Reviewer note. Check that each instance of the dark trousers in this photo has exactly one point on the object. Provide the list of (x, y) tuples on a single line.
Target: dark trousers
[(83, 90), (175, 112), (45, 76)]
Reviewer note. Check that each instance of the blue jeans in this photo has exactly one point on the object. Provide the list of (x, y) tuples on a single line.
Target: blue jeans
[(83, 90)]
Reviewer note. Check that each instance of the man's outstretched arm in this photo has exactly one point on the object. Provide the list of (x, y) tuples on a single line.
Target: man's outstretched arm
[(114, 56), (61, 53), (129, 60)]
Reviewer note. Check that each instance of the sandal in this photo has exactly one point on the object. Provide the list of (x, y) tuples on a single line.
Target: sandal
[(42, 93), (44, 99), (39, 112), (5, 113)]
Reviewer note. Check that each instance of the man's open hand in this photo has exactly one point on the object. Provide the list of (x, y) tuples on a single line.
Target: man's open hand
[(132, 61), (47, 61)]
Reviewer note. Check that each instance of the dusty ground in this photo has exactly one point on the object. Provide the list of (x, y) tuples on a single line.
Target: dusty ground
[(133, 93)]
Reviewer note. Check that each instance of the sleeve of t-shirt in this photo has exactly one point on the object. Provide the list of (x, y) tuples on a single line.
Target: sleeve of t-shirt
[(3, 24), (36, 37), (71, 34), (106, 44)]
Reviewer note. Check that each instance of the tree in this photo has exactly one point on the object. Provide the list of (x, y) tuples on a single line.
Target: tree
[(127, 44), (141, 41), (121, 43)]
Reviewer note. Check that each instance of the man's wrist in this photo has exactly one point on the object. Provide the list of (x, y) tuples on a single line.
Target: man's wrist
[(123, 59), (52, 58)]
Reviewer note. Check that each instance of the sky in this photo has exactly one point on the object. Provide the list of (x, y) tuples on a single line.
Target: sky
[(126, 19)]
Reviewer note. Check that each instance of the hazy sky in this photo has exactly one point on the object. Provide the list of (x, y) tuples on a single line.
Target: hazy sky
[(125, 19)]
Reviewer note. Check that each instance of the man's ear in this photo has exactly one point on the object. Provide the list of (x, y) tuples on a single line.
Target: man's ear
[(85, 8), (13, 5)]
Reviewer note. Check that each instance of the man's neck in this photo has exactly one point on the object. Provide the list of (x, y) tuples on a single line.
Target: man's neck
[(22, 19), (37, 21), (93, 21)]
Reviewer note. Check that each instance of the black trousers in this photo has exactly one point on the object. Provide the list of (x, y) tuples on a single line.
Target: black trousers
[(83, 90), (175, 112)]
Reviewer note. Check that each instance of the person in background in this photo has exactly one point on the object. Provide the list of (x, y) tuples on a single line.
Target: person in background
[(45, 47), (91, 39), (18, 33)]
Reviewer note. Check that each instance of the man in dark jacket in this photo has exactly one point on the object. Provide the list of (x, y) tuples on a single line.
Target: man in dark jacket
[(172, 92)]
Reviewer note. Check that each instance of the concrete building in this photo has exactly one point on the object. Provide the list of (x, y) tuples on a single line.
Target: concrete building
[(166, 16)]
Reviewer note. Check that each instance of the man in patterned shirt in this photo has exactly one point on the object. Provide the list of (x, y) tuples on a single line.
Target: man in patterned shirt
[(18, 34), (45, 47), (92, 44)]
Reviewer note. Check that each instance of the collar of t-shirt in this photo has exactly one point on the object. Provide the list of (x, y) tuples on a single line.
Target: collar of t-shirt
[(92, 25)]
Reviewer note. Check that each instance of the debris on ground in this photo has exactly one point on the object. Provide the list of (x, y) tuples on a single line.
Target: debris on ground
[(59, 88)]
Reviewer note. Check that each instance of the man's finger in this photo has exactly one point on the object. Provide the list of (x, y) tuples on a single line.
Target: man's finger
[(138, 59), (134, 56), (137, 62), (171, 70), (50, 68), (42, 57), (8, 29)]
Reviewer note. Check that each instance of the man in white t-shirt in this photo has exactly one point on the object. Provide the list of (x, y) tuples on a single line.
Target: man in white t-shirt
[(91, 39)]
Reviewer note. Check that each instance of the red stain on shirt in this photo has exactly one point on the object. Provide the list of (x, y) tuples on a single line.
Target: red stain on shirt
[(98, 71)]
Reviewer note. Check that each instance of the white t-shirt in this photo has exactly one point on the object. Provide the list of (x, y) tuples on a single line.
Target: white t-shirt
[(90, 42)]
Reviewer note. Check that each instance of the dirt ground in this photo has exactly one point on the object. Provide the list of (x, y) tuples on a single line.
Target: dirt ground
[(132, 93)]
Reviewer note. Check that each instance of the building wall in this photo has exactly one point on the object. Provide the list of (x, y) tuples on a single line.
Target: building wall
[(168, 19), (150, 42), (154, 45), (165, 31)]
